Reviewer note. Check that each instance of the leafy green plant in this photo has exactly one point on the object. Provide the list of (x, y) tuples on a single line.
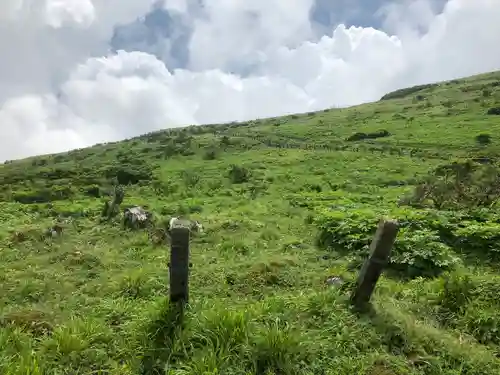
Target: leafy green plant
[(479, 237), (421, 253), (418, 251)]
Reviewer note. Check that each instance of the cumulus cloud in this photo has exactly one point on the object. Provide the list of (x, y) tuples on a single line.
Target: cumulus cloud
[(64, 86)]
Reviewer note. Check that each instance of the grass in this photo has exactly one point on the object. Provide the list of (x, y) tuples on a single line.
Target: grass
[(286, 203)]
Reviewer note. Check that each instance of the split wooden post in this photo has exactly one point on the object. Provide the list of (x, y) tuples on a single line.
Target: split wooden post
[(179, 263), (380, 251)]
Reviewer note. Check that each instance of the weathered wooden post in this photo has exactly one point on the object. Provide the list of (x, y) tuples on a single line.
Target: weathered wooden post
[(179, 262), (380, 251)]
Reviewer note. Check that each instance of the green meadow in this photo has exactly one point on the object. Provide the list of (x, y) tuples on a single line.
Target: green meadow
[(286, 203)]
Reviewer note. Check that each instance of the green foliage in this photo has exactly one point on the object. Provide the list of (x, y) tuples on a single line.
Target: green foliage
[(92, 191), (479, 237), (44, 195), (225, 141), (210, 154), (170, 150), (404, 93), (459, 185), (418, 251), (483, 139), (455, 295), (493, 111), (238, 174), (422, 253), (471, 304), (112, 209), (118, 194), (190, 178), (130, 174), (374, 135)]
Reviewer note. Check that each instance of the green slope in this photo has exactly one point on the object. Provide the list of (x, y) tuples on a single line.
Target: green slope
[(286, 203)]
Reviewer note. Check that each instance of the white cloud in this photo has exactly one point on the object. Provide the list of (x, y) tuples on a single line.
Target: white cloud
[(61, 88), (239, 31), (59, 13)]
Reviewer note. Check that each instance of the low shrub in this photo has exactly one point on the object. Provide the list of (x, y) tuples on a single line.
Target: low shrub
[(479, 237), (373, 135), (483, 139), (459, 185), (419, 249), (238, 175), (403, 93), (470, 303), (43, 195), (494, 111)]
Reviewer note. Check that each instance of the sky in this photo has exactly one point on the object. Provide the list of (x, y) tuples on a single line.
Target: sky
[(74, 73)]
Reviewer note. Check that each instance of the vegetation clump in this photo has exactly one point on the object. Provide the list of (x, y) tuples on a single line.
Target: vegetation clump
[(483, 139), (373, 135), (419, 250), (493, 111), (459, 185), (238, 174), (406, 92)]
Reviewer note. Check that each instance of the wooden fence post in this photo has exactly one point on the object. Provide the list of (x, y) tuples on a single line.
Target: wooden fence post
[(179, 264), (380, 251)]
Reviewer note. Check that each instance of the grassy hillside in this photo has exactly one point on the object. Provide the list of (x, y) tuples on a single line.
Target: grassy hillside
[(286, 203)]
